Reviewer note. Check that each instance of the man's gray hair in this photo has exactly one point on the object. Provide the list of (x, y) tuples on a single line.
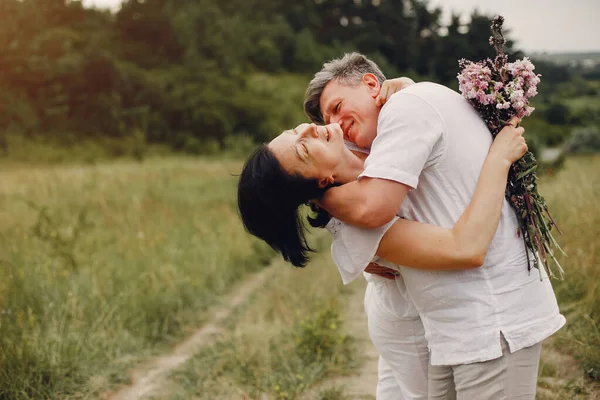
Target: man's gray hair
[(347, 70)]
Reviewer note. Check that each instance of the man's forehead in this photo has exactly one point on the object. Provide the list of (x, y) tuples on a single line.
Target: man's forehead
[(330, 93), (330, 90)]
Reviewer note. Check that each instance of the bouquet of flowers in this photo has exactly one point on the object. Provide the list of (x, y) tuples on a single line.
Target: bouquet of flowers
[(500, 90)]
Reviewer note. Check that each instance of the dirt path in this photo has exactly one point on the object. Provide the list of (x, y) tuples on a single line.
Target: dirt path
[(149, 377)]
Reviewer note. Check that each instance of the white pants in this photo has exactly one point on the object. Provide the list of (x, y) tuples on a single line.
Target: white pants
[(400, 342), (387, 387)]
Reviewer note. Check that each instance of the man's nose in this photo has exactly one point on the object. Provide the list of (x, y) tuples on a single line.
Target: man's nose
[(335, 119)]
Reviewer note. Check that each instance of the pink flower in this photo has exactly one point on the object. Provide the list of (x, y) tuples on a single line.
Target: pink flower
[(477, 86)]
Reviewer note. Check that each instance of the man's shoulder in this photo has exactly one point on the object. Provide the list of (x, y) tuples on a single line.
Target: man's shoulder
[(426, 100), (424, 90), (420, 100), (419, 93)]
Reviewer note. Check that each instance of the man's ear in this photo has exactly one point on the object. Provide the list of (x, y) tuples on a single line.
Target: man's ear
[(372, 83), (324, 182)]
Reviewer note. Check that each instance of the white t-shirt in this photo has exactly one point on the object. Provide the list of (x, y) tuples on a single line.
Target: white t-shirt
[(431, 139)]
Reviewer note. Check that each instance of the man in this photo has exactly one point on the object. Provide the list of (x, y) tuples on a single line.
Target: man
[(484, 326)]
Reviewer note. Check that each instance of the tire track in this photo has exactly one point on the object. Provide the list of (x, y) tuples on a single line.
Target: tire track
[(147, 379)]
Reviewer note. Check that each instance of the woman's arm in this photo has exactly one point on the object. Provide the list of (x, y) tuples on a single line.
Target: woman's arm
[(419, 245)]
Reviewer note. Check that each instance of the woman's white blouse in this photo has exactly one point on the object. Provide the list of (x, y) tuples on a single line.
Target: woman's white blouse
[(352, 250)]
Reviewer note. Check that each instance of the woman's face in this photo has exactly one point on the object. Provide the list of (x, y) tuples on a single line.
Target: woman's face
[(310, 151)]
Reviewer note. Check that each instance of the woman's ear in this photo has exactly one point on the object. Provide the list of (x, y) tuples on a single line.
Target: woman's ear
[(372, 83), (325, 182)]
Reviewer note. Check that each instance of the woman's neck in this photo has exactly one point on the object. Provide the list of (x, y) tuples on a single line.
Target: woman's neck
[(350, 167)]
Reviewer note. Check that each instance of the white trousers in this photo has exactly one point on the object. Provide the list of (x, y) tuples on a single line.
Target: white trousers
[(400, 342)]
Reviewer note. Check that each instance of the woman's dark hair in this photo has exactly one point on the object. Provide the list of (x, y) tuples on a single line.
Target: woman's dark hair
[(269, 200)]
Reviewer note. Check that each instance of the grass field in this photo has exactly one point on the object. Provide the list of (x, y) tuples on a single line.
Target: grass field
[(103, 266), (573, 196), (290, 337)]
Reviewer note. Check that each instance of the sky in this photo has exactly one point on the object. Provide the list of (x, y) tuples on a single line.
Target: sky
[(536, 25)]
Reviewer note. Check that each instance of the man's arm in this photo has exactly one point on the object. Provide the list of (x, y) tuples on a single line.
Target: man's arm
[(368, 203)]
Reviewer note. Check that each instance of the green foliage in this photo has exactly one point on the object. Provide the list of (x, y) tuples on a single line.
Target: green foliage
[(239, 145), (544, 133), (319, 337), (190, 74), (70, 149), (332, 393), (584, 140), (282, 95), (557, 114)]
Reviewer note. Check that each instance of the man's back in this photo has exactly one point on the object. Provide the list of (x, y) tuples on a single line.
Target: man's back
[(439, 145), (447, 185)]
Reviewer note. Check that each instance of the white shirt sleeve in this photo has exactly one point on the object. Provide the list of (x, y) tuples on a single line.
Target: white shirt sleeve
[(353, 248), (409, 139)]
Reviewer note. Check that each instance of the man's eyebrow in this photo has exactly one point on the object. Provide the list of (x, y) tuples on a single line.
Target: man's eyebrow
[(327, 109)]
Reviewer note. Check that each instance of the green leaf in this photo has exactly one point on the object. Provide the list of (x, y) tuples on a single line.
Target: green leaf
[(530, 170)]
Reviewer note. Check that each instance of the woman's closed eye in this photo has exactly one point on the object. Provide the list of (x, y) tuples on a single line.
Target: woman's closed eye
[(304, 149), (301, 150)]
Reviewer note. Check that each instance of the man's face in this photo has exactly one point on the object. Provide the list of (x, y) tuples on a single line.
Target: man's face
[(353, 108)]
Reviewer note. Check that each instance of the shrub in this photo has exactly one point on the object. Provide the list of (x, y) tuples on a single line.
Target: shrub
[(320, 338), (558, 114), (584, 140), (239, 145)]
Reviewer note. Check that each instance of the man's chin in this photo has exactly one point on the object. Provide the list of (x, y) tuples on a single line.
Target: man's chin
[(363, 142)]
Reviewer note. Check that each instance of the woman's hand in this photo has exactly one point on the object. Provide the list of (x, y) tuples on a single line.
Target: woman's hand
[(509, 145), (391, 86)]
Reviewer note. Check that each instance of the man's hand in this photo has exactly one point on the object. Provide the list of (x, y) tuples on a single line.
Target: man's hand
[(391, 86), (384, 272)]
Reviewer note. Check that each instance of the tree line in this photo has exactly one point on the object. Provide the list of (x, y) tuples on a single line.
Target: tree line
[(177, 71)]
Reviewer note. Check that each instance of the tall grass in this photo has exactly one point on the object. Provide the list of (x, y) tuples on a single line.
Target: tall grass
[(101, 265), (573, 196), (290, 337)]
